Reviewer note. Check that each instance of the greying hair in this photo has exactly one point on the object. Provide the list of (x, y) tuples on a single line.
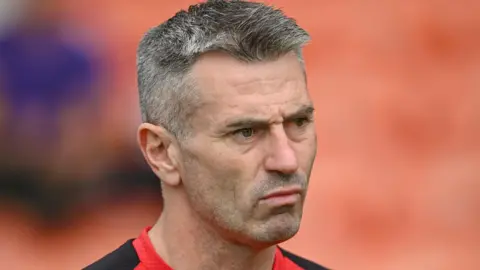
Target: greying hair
[(247, 31)]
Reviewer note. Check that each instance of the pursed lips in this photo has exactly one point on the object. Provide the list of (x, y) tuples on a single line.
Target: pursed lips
[(283, 192)]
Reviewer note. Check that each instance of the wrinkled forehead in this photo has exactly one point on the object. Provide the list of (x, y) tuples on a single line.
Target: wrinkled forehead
[(229, 86)]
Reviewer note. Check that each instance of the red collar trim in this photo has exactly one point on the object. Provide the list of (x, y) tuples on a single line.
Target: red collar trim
[(147, 254), (151, 260)]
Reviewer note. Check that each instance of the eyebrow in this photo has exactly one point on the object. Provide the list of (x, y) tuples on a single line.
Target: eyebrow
[(303, 111)]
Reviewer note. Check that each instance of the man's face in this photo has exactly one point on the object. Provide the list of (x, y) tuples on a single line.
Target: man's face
[(252, 136)]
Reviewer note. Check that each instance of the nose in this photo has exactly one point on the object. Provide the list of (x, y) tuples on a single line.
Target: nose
[(281, 157)]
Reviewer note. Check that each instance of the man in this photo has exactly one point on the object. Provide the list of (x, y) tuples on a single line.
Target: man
[(228, 128)]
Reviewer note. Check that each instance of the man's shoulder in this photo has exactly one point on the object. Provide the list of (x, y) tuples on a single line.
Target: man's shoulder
[(123, 258), (302, 262)]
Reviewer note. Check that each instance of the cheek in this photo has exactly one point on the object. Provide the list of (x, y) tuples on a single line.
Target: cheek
[(306, 153), (209, 178), (222, 175)]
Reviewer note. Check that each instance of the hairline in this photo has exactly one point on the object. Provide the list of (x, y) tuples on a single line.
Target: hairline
[(189, 81)]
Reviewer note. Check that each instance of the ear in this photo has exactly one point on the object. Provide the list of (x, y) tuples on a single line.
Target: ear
[(160, 152)]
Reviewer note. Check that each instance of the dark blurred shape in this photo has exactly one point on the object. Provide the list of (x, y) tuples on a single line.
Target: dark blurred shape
[(44, 74), (47, 73), (53, 155)]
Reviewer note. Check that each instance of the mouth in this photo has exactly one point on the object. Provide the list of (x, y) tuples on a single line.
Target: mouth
[(284, 196)]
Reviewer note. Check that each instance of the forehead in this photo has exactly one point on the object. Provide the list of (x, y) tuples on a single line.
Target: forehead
[(229, 86)]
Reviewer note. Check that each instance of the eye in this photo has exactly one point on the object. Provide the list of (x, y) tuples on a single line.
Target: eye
[(297, 128), (244, 132), (300, 122), (245, 135)]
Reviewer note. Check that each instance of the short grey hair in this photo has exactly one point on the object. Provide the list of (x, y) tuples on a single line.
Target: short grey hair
[(248, 31)]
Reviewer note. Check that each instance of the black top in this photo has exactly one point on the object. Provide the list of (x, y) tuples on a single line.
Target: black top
[(127, 258)]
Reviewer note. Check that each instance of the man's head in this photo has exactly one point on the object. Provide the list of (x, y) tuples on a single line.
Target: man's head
[(228, 119)]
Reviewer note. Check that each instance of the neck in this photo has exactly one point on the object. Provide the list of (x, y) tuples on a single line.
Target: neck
[(184, 241)]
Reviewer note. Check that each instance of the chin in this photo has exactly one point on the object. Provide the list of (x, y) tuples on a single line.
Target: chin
[(277, 229)]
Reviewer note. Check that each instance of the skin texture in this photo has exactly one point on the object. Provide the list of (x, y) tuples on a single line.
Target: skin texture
[(252, 135)]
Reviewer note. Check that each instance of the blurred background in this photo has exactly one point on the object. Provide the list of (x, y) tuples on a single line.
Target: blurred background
[(396, 84)]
